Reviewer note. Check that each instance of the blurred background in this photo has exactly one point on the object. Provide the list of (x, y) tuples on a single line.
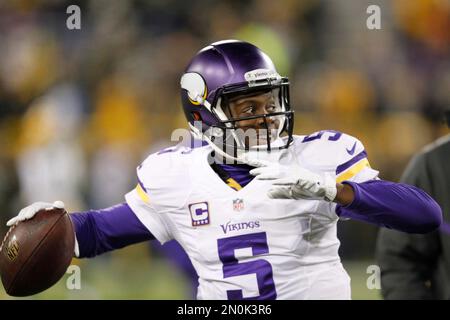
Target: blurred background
[(80, 109)]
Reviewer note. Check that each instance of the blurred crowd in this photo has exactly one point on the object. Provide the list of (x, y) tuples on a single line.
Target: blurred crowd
[(80, 109)]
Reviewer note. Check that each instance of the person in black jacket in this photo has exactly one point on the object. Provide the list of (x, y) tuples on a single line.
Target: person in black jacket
[(417, 266)]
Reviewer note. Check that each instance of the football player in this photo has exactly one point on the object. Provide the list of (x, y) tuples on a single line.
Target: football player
[(254, 206)]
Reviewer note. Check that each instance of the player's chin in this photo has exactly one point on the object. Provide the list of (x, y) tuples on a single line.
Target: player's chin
[(261, 142), (253, 138)]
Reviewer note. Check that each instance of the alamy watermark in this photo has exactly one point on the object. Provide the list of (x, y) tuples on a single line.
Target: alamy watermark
[(73, 21), (73, 282), (374, 280), (234, 142), (373, 21)]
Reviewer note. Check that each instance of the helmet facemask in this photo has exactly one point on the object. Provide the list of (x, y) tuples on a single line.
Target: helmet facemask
[(235, 141)]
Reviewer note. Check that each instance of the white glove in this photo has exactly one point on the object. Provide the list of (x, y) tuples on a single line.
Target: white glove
[(294, 182), (29, 211)]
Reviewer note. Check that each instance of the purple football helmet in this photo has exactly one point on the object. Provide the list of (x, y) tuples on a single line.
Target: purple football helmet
[(224, 70)]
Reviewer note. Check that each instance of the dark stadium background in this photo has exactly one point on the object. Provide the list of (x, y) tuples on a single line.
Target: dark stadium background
[(80, 109)]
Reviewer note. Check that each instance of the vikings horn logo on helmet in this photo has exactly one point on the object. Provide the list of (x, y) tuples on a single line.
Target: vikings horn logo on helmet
[(196, 89)]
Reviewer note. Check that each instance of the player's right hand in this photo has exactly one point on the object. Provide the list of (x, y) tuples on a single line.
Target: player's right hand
[(294, 182), (29, 211)]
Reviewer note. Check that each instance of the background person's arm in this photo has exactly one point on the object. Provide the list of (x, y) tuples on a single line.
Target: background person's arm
[(409, 261)]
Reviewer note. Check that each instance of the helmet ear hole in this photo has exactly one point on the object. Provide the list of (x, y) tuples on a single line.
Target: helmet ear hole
[(196, 116)]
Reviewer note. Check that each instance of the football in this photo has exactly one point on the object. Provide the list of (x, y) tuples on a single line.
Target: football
[(36, 253)]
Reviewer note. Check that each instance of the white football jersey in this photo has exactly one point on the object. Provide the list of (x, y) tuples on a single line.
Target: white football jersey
[(242, 243)]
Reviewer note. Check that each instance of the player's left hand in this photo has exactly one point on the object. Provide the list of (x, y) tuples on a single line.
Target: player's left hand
[(294, 182)]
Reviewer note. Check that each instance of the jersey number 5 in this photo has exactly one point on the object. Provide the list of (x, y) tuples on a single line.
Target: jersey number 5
[(232, 268), (332, 135)]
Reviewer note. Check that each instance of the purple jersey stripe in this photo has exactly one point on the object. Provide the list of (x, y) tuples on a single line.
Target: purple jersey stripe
[(141, 184), (352, 161)]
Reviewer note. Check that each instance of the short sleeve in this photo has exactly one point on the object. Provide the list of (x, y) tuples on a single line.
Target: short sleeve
[(354, 163), (155, 222)]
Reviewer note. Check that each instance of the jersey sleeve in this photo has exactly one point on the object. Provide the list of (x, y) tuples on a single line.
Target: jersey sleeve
[(353, 163), (160, 191), (337, 153), (138, 201)]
